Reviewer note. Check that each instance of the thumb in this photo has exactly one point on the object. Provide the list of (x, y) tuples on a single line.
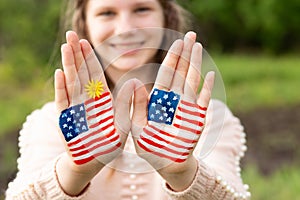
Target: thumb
[(122, 109), (140, 104), (61, 96)]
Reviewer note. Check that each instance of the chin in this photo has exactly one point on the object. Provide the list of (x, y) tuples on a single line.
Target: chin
[(127, 64)]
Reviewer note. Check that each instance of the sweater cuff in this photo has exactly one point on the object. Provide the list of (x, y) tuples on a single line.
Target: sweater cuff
[(206, 185), (49, 187), (199, 189)]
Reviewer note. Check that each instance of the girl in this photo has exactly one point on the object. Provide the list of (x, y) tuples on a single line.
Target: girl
[(109, 135)]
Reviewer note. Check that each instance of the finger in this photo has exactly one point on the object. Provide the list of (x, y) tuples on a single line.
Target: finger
[(183, 63), (166, 71), (71, 78), (140, 108), (194, 73), (61, 96), (122, 109), (205, 94), (73, 40), (93, 65)]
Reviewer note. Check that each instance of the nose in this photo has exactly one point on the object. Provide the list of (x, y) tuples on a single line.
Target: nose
[(125, 25)]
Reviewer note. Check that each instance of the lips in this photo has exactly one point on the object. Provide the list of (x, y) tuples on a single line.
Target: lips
[(127, 47)]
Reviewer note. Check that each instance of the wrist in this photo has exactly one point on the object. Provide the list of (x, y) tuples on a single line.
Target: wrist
[(73, 178), (183, 177)]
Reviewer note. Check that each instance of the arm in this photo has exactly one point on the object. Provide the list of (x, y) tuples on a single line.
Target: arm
[(167, 140), (40, 148), (88, 130), (218, 175), (93, 135)]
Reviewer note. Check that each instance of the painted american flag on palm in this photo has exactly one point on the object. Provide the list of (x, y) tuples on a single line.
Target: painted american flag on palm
[(89, 129), (174, 126)]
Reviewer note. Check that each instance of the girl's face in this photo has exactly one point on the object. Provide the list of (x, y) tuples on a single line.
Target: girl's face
[(126, 33)]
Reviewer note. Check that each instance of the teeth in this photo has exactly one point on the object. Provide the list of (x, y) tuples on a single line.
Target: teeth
[(127, 47)]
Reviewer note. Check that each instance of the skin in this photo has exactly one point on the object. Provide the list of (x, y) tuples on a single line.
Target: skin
[(124, 30), (180, 73)]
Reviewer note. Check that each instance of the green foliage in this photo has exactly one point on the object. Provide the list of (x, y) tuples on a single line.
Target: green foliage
[(259, 81), (28, 30), (283, 184), (18, 99), (232, 25)]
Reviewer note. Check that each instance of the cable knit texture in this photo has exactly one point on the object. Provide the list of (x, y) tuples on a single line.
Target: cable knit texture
[(219, 151)]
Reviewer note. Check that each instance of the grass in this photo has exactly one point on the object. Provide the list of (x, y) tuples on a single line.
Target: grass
[(283, 184), (19, 98), (260, 81)]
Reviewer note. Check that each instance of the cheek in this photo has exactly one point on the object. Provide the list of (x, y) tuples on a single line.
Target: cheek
[(98, 32), (156, 21)]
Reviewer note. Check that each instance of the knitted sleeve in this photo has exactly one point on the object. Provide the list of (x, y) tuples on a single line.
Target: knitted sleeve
[(218, 152), (40, 147)]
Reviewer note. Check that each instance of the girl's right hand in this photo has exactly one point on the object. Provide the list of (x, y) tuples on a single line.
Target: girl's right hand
[(92, 135)]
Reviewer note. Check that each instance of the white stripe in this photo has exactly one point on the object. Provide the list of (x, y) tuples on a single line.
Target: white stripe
[(94, 152), (101, 100), (100, 125), (84, 142), (187, 124), (168, 138), (192, 109), (162, 151), (95, 111), (174, 131), (165, 144), (80, 136), (90, 139), (190, 116)]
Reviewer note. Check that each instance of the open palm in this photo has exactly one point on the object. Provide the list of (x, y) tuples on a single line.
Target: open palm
[(84, 100), (167, 126)]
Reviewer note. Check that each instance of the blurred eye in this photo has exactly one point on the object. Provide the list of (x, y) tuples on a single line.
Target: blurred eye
[(142, 10), (106, 13)]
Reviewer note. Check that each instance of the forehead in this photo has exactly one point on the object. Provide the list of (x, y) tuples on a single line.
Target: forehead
[(120, 3)]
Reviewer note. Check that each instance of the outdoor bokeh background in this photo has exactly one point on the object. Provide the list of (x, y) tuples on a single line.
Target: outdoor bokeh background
[(255, 44)]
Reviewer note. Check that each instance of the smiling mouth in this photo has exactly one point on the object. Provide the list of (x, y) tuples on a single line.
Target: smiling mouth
[(127, 47)]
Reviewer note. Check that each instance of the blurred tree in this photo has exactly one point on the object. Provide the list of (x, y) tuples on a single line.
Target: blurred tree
[(28, 28), (268, 25), (28, 31)]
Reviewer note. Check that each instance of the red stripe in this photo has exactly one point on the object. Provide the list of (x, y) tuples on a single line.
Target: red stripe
[(193, 105), (91, 142), (198, 132), (98, 105), (173, 136), (101, 144), (85, 137), (96, 99), (101, 122), (195, 122), (148, 132), (85, 160), (163, 147), (107, 126), (99, 113), (160, 154), (191, 112)]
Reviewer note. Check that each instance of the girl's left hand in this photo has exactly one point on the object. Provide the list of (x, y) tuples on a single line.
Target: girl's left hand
[(167, 127)]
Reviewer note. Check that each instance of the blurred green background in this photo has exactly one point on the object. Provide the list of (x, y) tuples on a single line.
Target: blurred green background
[(255, 44)]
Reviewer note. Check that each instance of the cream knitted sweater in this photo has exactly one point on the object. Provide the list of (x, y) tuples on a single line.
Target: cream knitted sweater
[(219, 151)]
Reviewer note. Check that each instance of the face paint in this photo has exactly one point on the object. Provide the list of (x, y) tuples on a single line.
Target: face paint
[(174, 126), (88, 127)]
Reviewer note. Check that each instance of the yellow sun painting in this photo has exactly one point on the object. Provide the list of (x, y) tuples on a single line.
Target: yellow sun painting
[(94, 89)]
